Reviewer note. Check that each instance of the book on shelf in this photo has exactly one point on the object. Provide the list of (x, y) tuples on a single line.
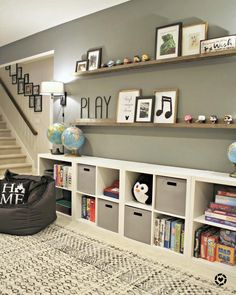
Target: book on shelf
[(225, 200), (204, 238), (178, 233), (212, 247), (157, 223), (63, 175), (197, 240), (88, 208), (167, 233), (220, 215), (222, 207), (220, 221), (226, 193)]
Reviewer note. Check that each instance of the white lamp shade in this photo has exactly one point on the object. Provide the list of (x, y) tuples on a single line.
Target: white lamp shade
[(52, 87)]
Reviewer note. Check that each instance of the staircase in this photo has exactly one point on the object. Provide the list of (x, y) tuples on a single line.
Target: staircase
[(11, 156)]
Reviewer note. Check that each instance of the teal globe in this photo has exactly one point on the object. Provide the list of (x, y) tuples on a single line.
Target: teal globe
[(54, 133), (232, 152), (73, 138)]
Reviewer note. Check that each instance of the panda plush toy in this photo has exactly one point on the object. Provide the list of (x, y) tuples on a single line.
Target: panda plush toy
[(142, 189)]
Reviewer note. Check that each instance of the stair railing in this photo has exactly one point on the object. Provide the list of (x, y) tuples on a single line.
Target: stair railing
[(20, 111)]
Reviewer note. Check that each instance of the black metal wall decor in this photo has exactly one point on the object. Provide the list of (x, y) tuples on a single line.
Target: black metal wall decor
[(100, 103)]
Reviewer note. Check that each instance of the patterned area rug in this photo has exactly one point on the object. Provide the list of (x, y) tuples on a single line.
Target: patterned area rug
[(58, 261)]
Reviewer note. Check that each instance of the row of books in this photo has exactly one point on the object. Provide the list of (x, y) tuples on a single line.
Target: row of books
[(169, 233), (63, 175), (214, 244), (88, 208)]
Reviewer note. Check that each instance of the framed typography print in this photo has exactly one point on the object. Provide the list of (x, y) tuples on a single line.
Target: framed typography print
[(165, 105), (126, 105), (144, 109), (94, 59), (168, 41)]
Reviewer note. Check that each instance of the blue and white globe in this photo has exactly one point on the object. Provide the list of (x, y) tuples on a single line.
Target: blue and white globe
[(232, 152), (73, 139), (54, 133)]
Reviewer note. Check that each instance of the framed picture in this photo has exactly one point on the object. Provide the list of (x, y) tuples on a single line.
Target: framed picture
[(165, 105), (13, 70), (126, 105), (168, 41), (7, 68), (14, 79), (19, 72), (191, 38), (81, 65), (28, 89), (94, 58), (218, 44), (31, 101), (144, 109), (21, 86), (26, 77), (36, 90), (38, 103)]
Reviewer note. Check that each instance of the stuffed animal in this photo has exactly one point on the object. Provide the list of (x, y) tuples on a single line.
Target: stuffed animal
[(142, 189)]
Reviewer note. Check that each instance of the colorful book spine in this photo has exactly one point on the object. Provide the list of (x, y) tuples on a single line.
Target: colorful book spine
[(88, 208), (84, 207), (157, 223), (211, 247), (172, 239), (92, 209), (69, 178), (211, 213), (226, 193), (220, 221), (197, 241), (162, 232), (204, 237), (178, 230), (225, 200), (167, 233), (182, 240), (222, 207)]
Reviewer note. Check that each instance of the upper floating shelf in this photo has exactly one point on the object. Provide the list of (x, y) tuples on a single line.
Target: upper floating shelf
[(152, 63)]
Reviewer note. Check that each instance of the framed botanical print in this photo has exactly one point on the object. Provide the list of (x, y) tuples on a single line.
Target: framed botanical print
[(21, 86), (165, 105), (28, 89), (144, 109), (192, 37), (94, 59), (38, 107), (126, 105), (168, 41)]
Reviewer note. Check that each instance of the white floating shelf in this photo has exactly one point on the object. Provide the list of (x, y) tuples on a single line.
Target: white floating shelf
[(139, 205), (201, 219), (169, 214)]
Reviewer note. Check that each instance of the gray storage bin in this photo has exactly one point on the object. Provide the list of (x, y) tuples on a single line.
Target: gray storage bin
[(108, 215), (170, 195), (86, 179), (138, 224)]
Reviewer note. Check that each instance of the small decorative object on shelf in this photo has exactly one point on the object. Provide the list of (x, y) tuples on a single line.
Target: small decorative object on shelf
[(228, 119), (145, 57), (142, 189), (232, 157), (104, 65), (188, 118), (213, 119), (81, 65), (54, 133), (201, 119), (111, 63), (73, 139), (144, 109), (168, 41), (113, 190), (118, 62), (94, 58), (126, 61), (136, 59), (218, 44)]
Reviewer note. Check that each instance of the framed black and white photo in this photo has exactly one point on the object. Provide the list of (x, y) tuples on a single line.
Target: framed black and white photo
[(13, 70), (36, 90), (31, 101), (21, 86), (14, 79), (94, 58), (168, 41), (81, 65), (126, 105), (144, 109), (7, 68), (28, 89), (38, 103), (191, 38), (165, 105), (26, 77), (19, 72)]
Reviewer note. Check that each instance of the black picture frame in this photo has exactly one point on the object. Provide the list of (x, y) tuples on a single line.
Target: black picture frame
[(21, 86), (38, 107), (36, 90), (14, 79), (81, 65), (13, 69), (19, 73), (95, 62), (28, 89), (177, 53), (26, 77), (31, 101), (7, 68), (144, 112)]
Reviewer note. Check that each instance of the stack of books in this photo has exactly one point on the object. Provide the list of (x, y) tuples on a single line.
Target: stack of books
[(63, 176), (169, 233), (223, 210), (88, 208)]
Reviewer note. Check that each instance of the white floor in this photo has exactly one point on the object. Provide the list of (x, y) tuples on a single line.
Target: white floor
[(142, 249)]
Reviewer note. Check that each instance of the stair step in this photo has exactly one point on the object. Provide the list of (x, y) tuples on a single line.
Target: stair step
[(12, 158), (3, 125), (7, 140), (9, 149), (5, 132), (19, 168)]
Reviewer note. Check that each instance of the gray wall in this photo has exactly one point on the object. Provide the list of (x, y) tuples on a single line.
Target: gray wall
[(206, 87)]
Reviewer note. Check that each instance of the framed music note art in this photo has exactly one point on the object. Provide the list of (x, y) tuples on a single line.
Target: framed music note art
[(144, 109), (126, 105), (166, 101)]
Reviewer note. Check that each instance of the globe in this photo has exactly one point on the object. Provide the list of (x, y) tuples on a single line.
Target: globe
[(54, 133), (73, 139), (232, 156)]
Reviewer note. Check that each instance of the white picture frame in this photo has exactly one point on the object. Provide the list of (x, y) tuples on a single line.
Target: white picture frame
[(191, 38), (166, 101), (126, 105)]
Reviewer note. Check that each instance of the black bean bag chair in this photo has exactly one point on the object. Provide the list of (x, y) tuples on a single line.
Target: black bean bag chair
[(36, 213)]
